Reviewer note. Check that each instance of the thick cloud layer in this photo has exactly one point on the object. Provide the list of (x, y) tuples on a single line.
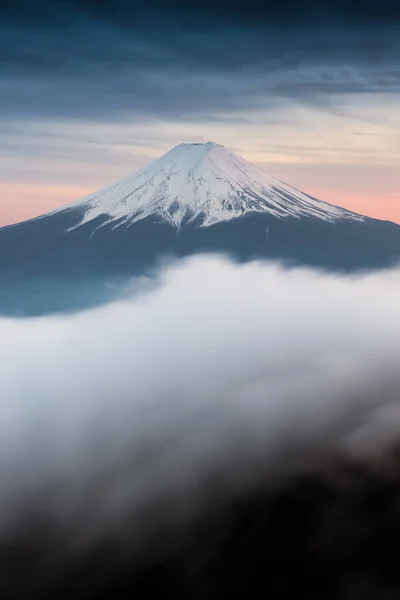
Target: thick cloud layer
[(205, 13), (179, 60), (218, 403)]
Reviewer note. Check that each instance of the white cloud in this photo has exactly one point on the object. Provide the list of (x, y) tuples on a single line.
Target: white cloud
[(219, 367)]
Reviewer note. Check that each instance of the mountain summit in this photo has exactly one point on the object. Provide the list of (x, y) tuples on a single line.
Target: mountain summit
[(196, 198), (202, 184)]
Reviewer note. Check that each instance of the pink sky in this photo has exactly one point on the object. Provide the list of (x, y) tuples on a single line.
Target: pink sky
[(20, 201)]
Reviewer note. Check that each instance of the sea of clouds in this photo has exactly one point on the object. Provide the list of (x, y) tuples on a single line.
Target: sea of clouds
[(121, 427)]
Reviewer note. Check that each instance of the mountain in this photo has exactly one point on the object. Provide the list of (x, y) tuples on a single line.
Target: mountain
[(202, 183), (195, 198)]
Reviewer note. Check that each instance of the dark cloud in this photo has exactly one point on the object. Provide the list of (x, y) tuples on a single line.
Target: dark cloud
[(108, 60), (207, 13)]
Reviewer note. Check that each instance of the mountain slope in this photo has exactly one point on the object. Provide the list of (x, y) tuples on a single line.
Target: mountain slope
[(206, 184), (196, 198)]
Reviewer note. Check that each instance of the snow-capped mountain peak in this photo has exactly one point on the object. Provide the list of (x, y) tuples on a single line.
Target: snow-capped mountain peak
[(205, 183)]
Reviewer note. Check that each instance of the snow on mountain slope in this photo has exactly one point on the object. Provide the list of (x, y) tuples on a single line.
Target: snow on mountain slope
[(205, 183)]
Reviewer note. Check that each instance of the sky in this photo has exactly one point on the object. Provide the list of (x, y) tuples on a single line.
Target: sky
[(91, 91)]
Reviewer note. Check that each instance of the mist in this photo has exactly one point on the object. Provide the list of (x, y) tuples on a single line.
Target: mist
[(133, 435)]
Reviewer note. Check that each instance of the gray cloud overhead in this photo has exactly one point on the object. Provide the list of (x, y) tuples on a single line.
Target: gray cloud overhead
[(204, 14), (173, 60)]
